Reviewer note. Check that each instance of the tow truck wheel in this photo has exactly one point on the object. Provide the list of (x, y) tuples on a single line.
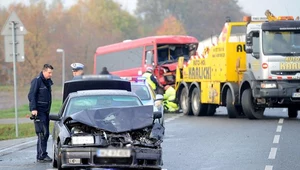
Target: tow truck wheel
[(249, 108), (185, 104), (232, 110), (211, 110), (292, 112), (198, 108)]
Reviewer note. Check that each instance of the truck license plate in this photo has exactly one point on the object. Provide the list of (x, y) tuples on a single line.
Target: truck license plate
[(114, 153), (296, 95)]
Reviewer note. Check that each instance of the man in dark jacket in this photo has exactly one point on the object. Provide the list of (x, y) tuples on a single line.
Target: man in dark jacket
[(40, 98)]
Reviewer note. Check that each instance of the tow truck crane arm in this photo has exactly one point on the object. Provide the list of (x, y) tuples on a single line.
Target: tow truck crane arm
[(270, 16)]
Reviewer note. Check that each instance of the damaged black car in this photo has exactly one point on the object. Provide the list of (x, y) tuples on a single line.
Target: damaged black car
[(106, 129)]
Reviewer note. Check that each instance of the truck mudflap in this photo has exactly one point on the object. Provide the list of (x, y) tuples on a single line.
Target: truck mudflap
[(277, 92)]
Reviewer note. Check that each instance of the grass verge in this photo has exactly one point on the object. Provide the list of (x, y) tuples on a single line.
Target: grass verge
[(8, 131), (23, 111)]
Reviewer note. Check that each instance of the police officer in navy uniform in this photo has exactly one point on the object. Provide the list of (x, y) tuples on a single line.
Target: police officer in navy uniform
[(77, 69), (40, 99)]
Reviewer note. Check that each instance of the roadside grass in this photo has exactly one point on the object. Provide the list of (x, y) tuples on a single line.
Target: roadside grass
[(10, 88), (8, 131), (6, 88), (23, 111)]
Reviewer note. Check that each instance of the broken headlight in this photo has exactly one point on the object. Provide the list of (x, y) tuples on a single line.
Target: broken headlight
[(75, 130)]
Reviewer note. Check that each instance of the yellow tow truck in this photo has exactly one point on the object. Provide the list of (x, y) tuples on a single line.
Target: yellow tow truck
[(241, 73)]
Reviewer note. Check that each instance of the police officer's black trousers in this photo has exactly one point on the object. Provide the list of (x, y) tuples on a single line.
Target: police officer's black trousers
[(42, 131)]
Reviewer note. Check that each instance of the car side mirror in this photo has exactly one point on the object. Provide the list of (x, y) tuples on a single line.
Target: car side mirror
[(159, 97), (157, 115), (54, 117)]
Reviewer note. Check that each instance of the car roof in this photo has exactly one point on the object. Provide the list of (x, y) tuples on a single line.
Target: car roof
[(138, 83), (95, 82)]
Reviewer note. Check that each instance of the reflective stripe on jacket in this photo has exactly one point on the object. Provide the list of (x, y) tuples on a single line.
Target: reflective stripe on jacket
[(148, 75)]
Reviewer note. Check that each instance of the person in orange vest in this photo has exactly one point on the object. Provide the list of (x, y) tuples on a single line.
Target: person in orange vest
[(169, 99)]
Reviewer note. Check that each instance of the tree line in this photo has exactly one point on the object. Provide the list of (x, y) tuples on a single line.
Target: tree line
[(88, 24)]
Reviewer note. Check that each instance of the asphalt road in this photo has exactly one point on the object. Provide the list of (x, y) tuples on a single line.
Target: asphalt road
[(212, 143)]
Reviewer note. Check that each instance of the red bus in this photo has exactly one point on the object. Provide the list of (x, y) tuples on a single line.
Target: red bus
[(130, 58)]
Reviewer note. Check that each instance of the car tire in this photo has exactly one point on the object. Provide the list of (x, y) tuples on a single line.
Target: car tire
[(54, 160), (59, 163)]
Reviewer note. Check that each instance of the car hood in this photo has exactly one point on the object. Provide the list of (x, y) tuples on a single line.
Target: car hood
[(147, 102), (116, 120)]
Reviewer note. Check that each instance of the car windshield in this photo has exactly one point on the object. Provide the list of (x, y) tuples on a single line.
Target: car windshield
[(141, 90), (80, 103)]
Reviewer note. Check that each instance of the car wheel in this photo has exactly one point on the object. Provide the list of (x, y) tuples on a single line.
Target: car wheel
[(54, 160), (59, 162)]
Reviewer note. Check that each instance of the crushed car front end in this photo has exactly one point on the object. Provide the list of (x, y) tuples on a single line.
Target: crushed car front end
[(111, 157), (112, 138)]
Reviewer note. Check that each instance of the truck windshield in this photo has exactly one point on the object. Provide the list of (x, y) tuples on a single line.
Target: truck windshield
[(285, 43)]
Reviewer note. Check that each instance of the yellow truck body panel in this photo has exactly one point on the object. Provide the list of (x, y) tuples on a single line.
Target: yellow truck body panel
[(218, 64)]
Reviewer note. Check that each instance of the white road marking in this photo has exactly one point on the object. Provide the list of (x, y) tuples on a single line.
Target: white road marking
[(273, 151), (268, 167), (15, 146), (284, 110), (276, 139), (173, 117), (279, 128), (272, 154)]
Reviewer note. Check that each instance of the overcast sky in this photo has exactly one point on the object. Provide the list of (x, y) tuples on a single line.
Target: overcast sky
[(254, 7)]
